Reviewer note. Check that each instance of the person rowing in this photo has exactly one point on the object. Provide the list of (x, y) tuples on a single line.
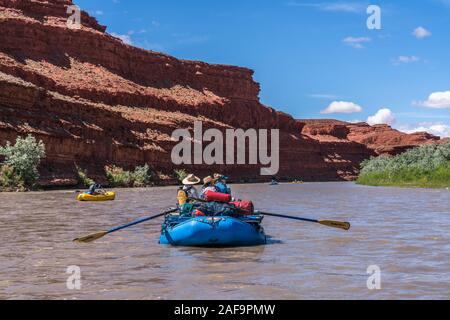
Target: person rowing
[(96, 189), (189, 184)]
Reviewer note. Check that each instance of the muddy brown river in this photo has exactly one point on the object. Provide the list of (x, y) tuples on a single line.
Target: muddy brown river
[(403, 232)]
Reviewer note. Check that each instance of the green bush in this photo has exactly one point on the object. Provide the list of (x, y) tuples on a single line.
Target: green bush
[(22, 160), (426, 166), (141, 176), (181, 174), (118, 177), (83, 179), (9, 180)]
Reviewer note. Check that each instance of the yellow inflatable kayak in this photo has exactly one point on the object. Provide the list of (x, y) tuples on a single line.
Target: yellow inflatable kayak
[(108, 196)]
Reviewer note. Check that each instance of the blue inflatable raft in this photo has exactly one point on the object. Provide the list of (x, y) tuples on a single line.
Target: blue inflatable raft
[(213, 231)]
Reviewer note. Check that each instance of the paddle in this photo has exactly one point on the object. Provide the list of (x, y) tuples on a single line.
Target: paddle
[(333, 224), (101, 234), (329, 223)]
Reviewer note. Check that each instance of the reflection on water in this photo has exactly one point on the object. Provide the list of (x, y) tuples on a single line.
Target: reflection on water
[(403, 231)]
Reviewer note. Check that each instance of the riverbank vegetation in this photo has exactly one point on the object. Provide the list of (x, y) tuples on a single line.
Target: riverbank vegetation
[(20, 162), (424, 167), (83, 179), (19, 170), (118, 177), (180, 174)]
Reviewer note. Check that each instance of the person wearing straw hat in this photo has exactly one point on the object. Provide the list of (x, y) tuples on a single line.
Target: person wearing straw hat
[(189, 186), (208, 185)]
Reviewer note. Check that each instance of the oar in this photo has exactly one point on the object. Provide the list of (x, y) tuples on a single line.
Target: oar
[(328, 223), (101, 234)]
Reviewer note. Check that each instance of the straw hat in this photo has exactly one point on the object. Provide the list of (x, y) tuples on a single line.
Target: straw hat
[(191, 180), (218, 176), (208, 180)]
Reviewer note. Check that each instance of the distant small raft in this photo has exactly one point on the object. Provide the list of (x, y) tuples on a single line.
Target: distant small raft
[(108, 196), (213, 231)]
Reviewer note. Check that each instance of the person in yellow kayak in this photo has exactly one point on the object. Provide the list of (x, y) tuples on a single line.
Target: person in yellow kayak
[(96, 189)]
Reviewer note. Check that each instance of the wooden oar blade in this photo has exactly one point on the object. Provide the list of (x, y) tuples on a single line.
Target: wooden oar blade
[(91, 237), (336, 224)]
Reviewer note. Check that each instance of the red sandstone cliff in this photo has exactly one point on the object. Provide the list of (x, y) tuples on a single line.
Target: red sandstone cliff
[(381, 139), (95, 101)]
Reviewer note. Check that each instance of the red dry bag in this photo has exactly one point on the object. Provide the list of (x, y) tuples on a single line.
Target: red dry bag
[(244, 207), (212, 196)]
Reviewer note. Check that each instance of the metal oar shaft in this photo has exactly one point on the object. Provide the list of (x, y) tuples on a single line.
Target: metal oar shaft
[(329, 223), (135, 223), (289, 217), (98, 235)]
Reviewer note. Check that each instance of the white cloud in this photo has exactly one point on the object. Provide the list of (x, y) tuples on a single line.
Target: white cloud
[(124, 37), (421, 33), (404, 60), (349, 7), (436, 100), (99, 12), (383, 116), (356, 42), (342, 107), (343, 7), (437, 129), (323, 96), (189, 39)]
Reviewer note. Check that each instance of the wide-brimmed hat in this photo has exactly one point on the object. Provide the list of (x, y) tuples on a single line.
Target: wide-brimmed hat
[(208, 180), (218, 176), (191, 180)]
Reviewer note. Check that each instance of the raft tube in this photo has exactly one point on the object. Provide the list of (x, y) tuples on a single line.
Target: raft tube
[(214, 232), (108, 196)]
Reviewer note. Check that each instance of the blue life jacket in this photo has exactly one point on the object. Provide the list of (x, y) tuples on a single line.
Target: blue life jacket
[(93, 188), (222, 188)]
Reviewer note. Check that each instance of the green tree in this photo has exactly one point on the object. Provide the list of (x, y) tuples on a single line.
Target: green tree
[(24, 158)]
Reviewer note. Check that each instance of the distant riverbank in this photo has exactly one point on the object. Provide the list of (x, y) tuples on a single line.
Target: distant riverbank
[(424, 167), (438, 178)]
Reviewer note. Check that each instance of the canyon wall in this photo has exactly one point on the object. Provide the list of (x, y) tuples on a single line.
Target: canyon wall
[(96, 101)]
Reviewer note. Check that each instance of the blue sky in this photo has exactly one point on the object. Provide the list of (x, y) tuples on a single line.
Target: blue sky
[(314, 59)]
